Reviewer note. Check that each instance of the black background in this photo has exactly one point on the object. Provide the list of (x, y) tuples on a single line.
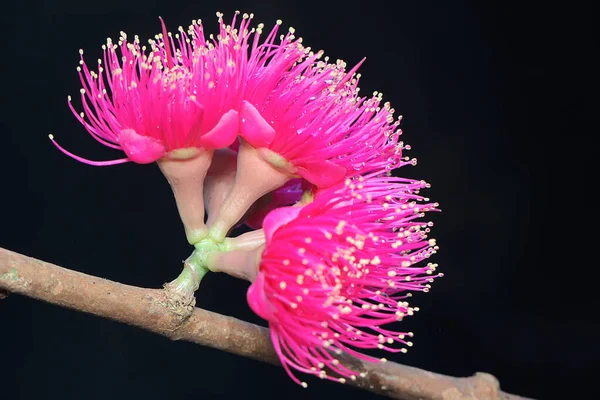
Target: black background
[(496, 104)]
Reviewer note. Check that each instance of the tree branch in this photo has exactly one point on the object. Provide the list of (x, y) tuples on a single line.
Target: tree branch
[(163, 312)]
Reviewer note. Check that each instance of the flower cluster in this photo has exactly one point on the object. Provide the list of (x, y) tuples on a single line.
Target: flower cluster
[(257, 128)]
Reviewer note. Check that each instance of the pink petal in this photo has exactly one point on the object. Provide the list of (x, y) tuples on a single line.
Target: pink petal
[(254, 128), (224, 133), (140, 149), (257, 300), (278, 218), (322, 173)]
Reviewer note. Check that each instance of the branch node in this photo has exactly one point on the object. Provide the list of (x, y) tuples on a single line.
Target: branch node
[(181, 304)]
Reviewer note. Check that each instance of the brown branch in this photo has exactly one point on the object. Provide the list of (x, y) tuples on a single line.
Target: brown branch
[(162, 312)]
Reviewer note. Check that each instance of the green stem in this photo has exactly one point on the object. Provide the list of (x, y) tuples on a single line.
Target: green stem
[(194, 268), (189, 279)]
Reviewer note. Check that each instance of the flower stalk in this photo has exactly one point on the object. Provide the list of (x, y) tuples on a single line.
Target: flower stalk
[(255, 177), (186, 177), (190, 277)]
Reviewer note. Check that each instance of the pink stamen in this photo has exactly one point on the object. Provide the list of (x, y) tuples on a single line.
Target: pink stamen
[(85, 160), (166, 43)]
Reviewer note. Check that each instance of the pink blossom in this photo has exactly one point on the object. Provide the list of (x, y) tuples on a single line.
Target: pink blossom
[(336, 270), (302, 117), (183, 94)]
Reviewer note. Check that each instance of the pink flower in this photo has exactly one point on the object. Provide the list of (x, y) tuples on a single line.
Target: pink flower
[(336, 270), (302, 117), (182, 94)]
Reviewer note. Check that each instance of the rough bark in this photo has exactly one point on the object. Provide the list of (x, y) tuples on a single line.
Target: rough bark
[(163, 312)]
